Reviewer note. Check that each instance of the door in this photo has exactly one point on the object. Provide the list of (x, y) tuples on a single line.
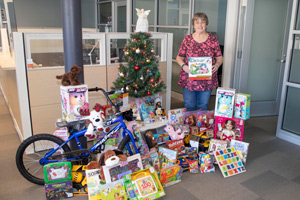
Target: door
[(261, 48), (288, 127), (119, 16)]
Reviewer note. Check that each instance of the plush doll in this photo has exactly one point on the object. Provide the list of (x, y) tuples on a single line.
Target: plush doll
[(96, 118), (174, 135), (142, 22), (78, 103), (108, 158), (71, 78), (224, 104)]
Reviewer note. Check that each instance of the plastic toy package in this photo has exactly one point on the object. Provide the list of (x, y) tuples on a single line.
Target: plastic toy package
[(242, 106), (176, 116), (194, 167), (171, 175), (143, 185), (237, 127), (206, 162), (60, 190), (167, 157), (224, 102), (200, 68), (58, 172), (74, 99)]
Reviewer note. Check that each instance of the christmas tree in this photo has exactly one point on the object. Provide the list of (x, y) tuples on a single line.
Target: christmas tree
[(142, 67)]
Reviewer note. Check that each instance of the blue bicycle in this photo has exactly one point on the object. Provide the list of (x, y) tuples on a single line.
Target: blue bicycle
[(42, 149)]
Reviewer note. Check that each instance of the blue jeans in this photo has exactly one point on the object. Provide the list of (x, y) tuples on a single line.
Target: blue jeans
[(196, 98)]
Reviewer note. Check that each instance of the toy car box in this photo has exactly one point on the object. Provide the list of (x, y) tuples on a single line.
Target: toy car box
[(74, 99), (171, 175), (242, 106), (143, 185), (224, 102)]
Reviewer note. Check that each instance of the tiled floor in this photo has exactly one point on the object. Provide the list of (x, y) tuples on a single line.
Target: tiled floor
[(272, 168)]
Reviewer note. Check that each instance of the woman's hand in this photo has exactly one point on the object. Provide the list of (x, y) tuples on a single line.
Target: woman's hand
[(186, 68), (215, 68)]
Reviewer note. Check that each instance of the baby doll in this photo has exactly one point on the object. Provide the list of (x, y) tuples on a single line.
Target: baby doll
[(228, 132)]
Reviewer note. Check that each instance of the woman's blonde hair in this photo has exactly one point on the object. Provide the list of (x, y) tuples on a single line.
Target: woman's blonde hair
[(202, 16)]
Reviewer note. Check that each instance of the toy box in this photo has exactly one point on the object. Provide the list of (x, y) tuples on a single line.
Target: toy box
[(205, 120), (224, 102), (190, 118), (216, 145), (200, 68), (141, 144), (171, 175), (176, 145), (241, 148), (114, 190), (147, 106), (184, 160), (238, 127), (58, 172), (194, 167), (73, 100), (206, 162), (194, 142), (229, 162), (93, 184), (133, 164), (56, 191), (158, 130), (167, 157), (242, 106), (176, 116), (143, 185)]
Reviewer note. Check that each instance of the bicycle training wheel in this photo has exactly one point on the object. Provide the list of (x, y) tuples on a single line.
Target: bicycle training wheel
[(32, 150)]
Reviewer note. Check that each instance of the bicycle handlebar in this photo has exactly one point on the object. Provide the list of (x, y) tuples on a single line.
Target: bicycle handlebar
[(120, 91)]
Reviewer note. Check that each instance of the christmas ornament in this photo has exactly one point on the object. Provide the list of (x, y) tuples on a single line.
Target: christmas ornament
[(158, 74), (136, 85), (127, 53), (148, 93), (145, 42), (150, 73), (148, 70), (127, 88), (144, 52), (135, 92), (148, 60), (137, 50), (142, 78), (152, 50), (127, 74), (151, 80), (121, 74), (137, 68), (133, 48), (145, 46)]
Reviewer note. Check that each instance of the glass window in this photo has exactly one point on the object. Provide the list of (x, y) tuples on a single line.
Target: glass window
[(117, 50), (178, 35), (295, 60), (146, 5), (216, 13), (91, 51), (47, 53), (104, 17), (173, 12), (291, 117), (298, 18)]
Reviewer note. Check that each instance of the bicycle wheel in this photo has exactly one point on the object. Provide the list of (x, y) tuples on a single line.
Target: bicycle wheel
[(32, 150)]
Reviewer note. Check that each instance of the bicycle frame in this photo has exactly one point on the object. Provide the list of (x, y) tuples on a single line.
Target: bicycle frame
[(120, 124)]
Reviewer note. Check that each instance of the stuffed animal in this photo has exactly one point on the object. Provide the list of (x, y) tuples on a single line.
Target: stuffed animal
[(224, 104), (174, 135), (108, 158), (142, 22), (150, 136), (96, 118), (71, 78)]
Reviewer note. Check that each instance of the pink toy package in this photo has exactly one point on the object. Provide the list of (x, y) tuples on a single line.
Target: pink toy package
[(205, 119), (190, 118), (229, 128), (74, 99)]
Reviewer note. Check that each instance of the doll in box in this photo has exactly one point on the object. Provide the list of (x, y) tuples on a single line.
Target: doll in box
[(78, 103), (228, 132)]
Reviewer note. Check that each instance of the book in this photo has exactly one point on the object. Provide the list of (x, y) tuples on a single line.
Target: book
[(241, 148), (167, 157), (113, 190), (200, 68), (93, 184)]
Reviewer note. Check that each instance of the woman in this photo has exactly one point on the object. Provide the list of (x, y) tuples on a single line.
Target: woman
[(198, 44)]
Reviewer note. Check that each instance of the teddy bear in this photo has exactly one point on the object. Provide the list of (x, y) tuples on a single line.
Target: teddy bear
[(108, 158), (152, 139), (71, 78), (174, 135), (96, 118)]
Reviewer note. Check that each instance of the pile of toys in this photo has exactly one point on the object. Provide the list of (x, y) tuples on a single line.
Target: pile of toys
[(168, 144)]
